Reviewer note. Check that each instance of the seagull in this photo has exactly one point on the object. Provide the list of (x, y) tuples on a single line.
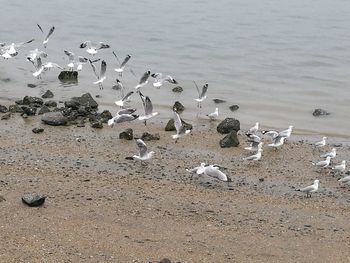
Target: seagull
[(286, 133), (119, 86), (9, 51), (310, 189), (277, 142), (254, 146), (126, 98), (159, 81), (345, 180), (213, 171), (121, 65), (213, 115), (201, 94), (143, 153), (321, 143), (73, 62), (272, 134), (339, 168), (180, 128), (143, 81), (40, 67), (102, 76), (123, 115), (93, 48), (255, 157), (323, 163), (33, 54), (253, 138), (48, 35), (198, 169), (254, 129), (148, 107), (331, 154)]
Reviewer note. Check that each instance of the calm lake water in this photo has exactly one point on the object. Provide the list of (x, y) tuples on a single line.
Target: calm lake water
[(277, 59)]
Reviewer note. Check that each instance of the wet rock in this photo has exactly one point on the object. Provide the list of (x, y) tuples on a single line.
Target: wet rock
[(28, 100), (150, 137), (47, 95), (6, 116), (68, 76), (230, 140), (38, 130), (217, 101), (177, 89), (234, 107), (228, 125), (43, 109), (50, 103), (29, 110), (33, 199), (19, 102), (320, 112), (105, 116), (178, 107), (97, 125), (30, 85), (3, 109), (85, 100), (171, 126), (54, 118), (15, 108), (127, 134)]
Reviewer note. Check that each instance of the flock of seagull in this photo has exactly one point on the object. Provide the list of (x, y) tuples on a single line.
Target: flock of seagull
[(125, 113)]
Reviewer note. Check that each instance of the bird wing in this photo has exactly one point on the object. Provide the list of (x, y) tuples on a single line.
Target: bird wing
[(127, 96), (215, 173), (116, 57), (82, 59), (157, 75), (50, 33), (177, 122), (103, 69), (85, 43), (22, 43), (308, 188), (170, 79), (126, 59), (199, 93), (69, 54), (142, 147), (93, 68), (144, 77), (204, 90), (148, 106), (143, 98), (103, 45), (40, 28)]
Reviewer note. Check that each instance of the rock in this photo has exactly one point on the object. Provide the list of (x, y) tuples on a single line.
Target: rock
[(54, 118), (6, 116), (30, 85), (50, 103), (320, 112), (19, 102), (165, 260), (85, 100), (177, 89), (97, 125), (217, 101), (127, 134), (150, 137), (43, 109), (15, 108), (228, 125), (47, 95), (2, 198), (105, 116), (33, 199), (38, 130), (171, 126), (29, 110), (234, 107), (28, 100), (230, 140), (3, 109), (5, 80), (68, 76), (178, 107)]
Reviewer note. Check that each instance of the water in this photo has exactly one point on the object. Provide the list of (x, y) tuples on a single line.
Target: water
[(277, 59)]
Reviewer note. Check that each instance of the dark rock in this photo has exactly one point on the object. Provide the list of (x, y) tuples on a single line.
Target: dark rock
[(5, 80), (150, 137), (43, 109), (29, 110), (47, 95), (2, 198), (165, 260), (261, 179), (30, 85), (50, 103), (97, 125), (54, 118), (178, 107), (105, 116), (178, 89), (38, 130), (217, 101), (171, 126), (85, 100), (33, 199), (28, 100), (228, 125), (320, 112), (68, 76), (15, 108), (127, 134), (6, 116), (230, 140), (234, 107), (98, 96), (19, 102), (3, 109)]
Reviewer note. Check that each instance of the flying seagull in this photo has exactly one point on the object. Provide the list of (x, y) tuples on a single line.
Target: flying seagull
[(46, 40), (143, 152), (159, 81), (180, 128), (120, 70), (144, 80), (93, 48), (102, 76), (201, 94), (148, 107)]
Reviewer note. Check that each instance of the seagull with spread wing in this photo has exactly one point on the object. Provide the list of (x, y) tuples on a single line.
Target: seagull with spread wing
[(102, 76)]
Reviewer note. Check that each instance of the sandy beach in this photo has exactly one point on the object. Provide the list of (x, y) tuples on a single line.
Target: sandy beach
[(102, 207)]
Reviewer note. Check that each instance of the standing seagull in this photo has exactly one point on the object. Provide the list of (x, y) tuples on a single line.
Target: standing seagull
[(201, 94), (324, 163), (159, 81), (143, 81), (102, 76), (148, 107), (180, 128), (331, 154), (143, 153), (46, 40), (286, 133), (321, 143), (93, 48), (310, 189), (212, 116), (255, 157), (339, 168), (277, 142), (254, 129), (121, 65)]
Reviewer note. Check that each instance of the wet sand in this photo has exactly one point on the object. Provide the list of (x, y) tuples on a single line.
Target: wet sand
[(101, 207)]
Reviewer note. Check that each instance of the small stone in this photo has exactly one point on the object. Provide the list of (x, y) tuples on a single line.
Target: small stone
[(54, 118), (230, 140), (261, 179), (320, 112), (43, 109), (228, 125), (3, 109), (6, 116), (234, 107), (217, 101), (178, 107), (33, 199), (171, 125), (47, 95), (30, 85), (50, 103), (28, 100), (97, 125), (38, 130), (68, 76), (165, 260), (150, 137), (29, 110), (177, 89), (5, 80), (127, 134), (15, 108)]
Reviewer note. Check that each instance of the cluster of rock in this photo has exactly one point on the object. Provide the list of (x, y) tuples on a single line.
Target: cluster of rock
[(229, 126)]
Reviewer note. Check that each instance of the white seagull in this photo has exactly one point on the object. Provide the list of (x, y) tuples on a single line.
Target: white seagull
[(144, 80), (345, 180), (121, 65), (73, 62), (198, 169), (213, 171), (201, 94), (40, 67), (340, 168), (143, 153), (159, 81), (277, 142), (102, 76), (254, 146), (321, 143), (46, 40), (33, 54), (93, 48), (286, 133), (323, 163), (126, 98), (254, 129), (180, 128), (148, 107), (310, 189), (331, 154), (254, 157), (123, 115), (9, 51), (213, 115)]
